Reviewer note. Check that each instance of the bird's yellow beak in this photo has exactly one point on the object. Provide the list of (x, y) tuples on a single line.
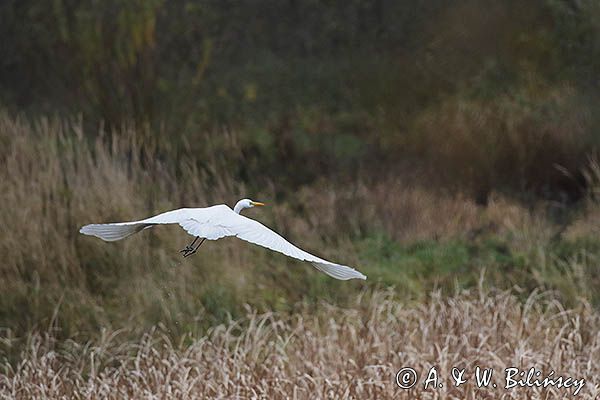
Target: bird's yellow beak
[(257, 203)]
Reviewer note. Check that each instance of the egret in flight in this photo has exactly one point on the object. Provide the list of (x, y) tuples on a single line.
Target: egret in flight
[(216, 222)]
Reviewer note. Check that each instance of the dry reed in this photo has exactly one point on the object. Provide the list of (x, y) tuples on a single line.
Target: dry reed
[(55, 178), (351, 353)]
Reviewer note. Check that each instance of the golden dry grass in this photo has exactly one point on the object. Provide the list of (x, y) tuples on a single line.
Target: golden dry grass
[(72, 307), (54, 178), (336, 353), (525, 140)]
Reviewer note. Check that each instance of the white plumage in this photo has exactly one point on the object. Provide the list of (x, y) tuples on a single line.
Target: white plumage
[(220, 221)]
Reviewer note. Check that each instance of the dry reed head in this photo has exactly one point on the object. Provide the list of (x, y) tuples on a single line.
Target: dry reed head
[(335, 353)]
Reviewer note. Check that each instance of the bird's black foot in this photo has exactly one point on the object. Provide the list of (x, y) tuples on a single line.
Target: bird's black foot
[(187, 251), (190, 249)]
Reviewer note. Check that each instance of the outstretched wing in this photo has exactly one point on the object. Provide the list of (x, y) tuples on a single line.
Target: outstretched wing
[(220, 221), (120, 230), (225, 222)]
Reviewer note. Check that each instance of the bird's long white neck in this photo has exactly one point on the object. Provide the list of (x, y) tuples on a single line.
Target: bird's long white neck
[(239, 206)]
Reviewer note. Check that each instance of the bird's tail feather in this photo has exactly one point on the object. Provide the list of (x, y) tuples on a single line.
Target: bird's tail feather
[(112, 232), (337, 271)]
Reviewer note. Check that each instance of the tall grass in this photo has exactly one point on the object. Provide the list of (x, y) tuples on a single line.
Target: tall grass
[(524, 141), (54, 178), (334, 353), (53, 181)]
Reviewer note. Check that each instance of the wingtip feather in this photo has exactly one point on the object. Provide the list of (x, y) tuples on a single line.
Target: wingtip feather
[(111, 232), (341, 272)]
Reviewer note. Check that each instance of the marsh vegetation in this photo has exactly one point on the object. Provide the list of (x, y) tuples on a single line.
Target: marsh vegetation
[(447, 151)]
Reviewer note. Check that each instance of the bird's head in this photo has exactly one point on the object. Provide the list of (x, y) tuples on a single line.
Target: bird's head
[(246, 203)]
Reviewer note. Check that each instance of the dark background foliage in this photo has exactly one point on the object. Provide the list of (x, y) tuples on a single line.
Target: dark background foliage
[(477, 95)]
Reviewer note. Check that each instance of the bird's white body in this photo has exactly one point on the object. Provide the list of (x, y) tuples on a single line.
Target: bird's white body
[(217, 222)]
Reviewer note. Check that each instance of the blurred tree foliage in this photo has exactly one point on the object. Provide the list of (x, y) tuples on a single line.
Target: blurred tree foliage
[(476, 94)]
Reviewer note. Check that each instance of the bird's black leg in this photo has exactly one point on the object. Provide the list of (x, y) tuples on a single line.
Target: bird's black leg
[(189, 250), (189, 247), (196, 249)]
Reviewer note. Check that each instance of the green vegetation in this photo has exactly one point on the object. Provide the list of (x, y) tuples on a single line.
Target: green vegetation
[(54, 180), (434, 145)]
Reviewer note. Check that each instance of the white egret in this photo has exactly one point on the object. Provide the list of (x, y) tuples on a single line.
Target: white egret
[(216, 222)]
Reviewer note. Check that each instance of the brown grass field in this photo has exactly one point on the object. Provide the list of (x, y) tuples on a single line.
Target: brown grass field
[(448, 150), (335, 353), (80, 318)]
